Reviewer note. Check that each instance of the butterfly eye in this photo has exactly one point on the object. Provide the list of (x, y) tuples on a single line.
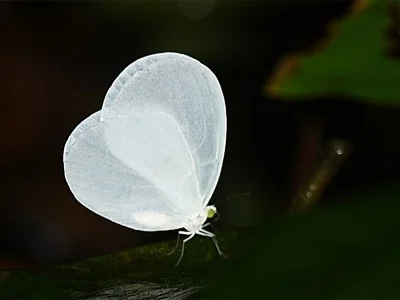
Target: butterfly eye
[(211, 211)]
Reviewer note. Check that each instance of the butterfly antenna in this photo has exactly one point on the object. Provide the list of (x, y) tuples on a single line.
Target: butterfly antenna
[(235, 196), (238, 195), (217, 216)]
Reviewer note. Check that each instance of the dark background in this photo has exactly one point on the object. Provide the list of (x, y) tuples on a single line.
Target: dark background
[(58, 59)]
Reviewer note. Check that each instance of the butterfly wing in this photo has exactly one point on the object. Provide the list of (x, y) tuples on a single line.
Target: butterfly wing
[(185, 101), (107, 186)]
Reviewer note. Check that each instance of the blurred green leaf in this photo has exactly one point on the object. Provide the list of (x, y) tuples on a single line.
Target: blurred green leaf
[(353, 63), (342, 251)]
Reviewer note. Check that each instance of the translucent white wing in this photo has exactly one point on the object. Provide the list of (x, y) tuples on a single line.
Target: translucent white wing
[(170, 102), (108, 187), (151, 143)]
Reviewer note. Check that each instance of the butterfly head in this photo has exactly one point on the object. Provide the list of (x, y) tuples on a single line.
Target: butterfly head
[(211, 211)]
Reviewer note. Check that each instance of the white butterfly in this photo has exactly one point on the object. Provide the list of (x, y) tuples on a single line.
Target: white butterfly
[(150, 159)]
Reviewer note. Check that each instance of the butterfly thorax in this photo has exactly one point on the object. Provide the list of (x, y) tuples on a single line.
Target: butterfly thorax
[(196, 221)]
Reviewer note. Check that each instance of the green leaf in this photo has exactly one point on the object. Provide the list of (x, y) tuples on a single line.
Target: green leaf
[(353, 64), (145, 272)]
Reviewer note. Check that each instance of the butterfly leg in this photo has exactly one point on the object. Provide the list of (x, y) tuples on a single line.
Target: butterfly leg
[(214, 238), (177, 242), (176, 247), (209, 224), (191, 235)]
